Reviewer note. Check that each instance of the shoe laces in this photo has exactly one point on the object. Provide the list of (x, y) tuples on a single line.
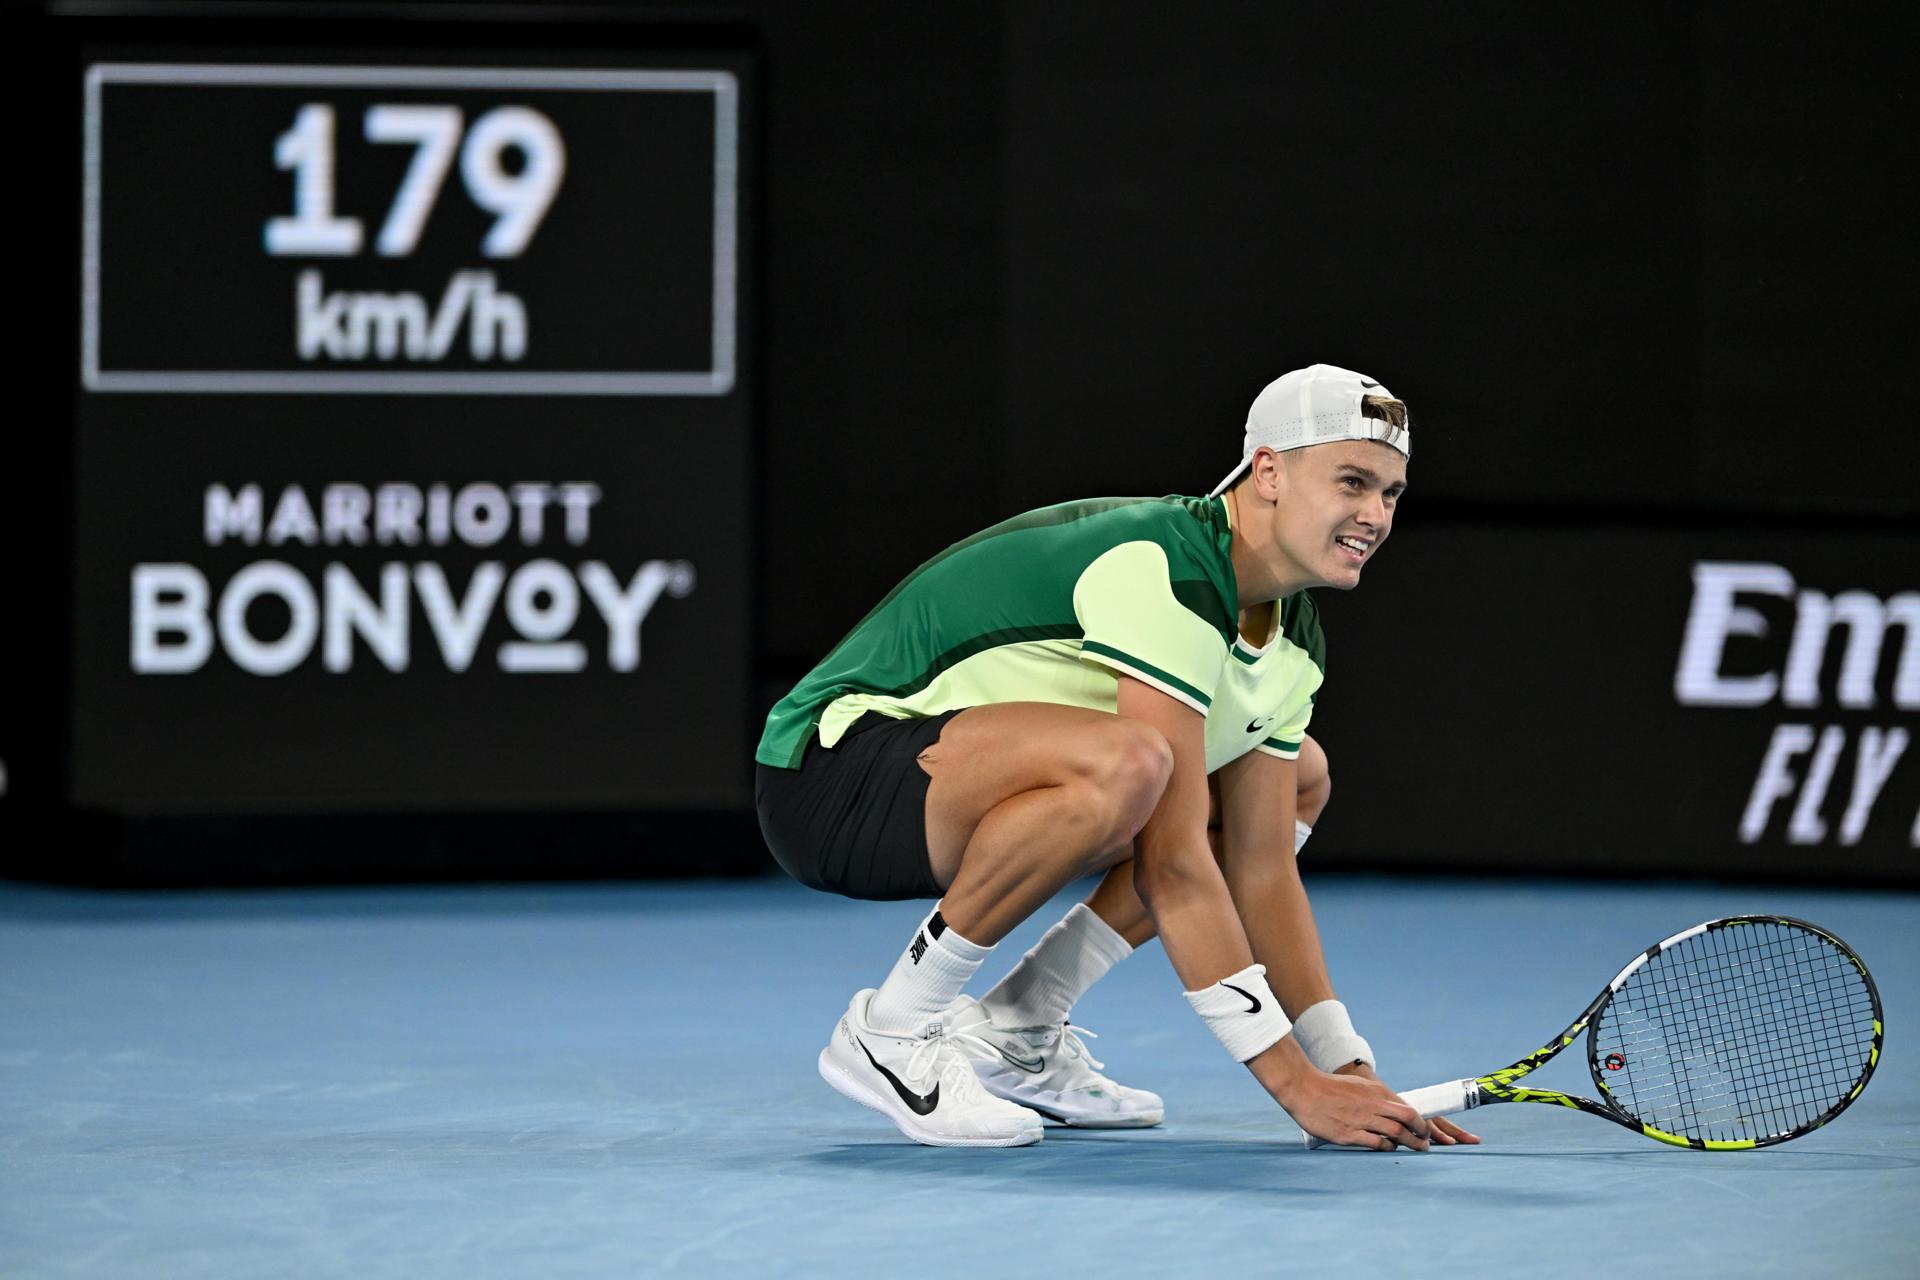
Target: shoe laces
[(944, 1055), (1070, 1039)]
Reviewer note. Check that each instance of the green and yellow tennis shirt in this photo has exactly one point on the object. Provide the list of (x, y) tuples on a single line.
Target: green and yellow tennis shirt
[(1055, 605)]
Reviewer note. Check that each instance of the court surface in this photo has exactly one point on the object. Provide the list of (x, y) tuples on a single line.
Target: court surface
[(619, 1080)]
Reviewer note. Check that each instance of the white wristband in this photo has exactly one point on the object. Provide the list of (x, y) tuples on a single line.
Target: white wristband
[(1241, 1012), (1325, 1034)]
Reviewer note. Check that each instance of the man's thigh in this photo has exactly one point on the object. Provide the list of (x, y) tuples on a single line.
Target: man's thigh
[(987, 755)]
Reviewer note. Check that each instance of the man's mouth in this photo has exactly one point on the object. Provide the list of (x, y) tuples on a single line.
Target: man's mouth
[(1355, 547)]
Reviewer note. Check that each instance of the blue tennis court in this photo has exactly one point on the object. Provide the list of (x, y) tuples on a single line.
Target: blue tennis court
[(619, 1080)]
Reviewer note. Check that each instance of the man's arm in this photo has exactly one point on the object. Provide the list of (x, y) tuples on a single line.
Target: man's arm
[(1258, 794), (1194, 912), (1257, 809)]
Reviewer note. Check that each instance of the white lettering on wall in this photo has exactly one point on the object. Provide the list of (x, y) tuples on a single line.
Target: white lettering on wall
[(180, 622), (1715, 616), (479, 514), (170, 630), (249, 652), (1802, 760)]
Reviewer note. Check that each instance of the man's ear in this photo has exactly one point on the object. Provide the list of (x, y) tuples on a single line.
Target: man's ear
[(1269, 471)]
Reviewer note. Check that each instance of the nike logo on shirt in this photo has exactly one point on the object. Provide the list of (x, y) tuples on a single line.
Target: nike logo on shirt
[(918, 1104), (1255, 726)]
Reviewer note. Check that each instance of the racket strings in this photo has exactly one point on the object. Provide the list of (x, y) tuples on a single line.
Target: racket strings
[(1757, 1073), (1740, 1032), (1682, 1089)]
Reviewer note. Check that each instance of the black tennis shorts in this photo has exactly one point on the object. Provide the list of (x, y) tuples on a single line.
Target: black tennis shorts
[(853, 820)]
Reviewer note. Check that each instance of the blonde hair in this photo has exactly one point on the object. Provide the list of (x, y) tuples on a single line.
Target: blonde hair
[(1391, 412)]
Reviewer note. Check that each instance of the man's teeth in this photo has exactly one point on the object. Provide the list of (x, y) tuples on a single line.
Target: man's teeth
[(1353, 544)]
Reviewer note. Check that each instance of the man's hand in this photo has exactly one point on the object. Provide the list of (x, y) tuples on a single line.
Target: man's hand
[(1441, 1130), (1354, 1112)]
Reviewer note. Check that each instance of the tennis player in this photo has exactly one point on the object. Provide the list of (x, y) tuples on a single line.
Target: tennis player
[(1090, 687)]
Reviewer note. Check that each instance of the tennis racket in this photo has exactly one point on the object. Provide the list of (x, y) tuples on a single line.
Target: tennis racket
[(1736, 1033)]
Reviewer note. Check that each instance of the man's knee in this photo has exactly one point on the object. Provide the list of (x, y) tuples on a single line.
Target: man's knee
[(1120, 778), (1315, 782)]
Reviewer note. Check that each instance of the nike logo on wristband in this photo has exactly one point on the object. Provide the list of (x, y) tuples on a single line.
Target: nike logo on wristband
[(1253, 1006), (919, 1105)]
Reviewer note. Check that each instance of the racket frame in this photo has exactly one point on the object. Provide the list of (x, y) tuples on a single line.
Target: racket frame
[(1501, 1086)]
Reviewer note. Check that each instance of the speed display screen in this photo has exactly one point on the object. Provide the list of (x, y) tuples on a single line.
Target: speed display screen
[(413, 435), (412, 229)]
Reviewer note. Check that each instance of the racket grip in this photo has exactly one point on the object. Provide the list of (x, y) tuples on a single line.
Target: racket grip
[(1434, 1100)]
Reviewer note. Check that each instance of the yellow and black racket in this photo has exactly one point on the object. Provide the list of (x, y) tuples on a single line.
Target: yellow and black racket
[(1736, 1033)]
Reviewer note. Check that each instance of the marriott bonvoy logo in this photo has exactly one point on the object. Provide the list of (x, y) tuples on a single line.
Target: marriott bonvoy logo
[(182, 616), (1802, 757)]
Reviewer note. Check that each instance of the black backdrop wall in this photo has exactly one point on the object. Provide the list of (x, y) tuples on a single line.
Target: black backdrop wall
[(1642, 280)]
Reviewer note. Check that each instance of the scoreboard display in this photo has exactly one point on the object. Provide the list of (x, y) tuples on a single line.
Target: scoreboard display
[(413, 462), (409, 230)]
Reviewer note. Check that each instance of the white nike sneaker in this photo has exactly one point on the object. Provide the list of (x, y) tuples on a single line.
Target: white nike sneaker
[(1050, 1070), (926, 1086)]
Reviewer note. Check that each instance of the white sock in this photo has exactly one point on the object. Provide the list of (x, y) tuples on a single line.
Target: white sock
[(1068, 959), (926, 978), (1300, 833)]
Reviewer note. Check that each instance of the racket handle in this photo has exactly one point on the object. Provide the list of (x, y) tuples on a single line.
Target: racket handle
[(1434, 1100)]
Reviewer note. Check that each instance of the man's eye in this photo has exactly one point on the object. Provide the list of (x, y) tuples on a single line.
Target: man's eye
[(1352, 481)]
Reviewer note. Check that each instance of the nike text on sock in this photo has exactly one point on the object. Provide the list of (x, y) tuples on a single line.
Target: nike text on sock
[(926, 978)]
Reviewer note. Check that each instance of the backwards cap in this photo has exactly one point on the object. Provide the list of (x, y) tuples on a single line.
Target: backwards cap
[(1315, 405)]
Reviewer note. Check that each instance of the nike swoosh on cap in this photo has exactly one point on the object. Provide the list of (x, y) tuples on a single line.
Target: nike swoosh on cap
[(1253, 1004), (919, 1105)]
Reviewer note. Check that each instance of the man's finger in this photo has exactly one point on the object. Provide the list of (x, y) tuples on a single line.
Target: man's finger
[(1452, 1131), (1418, 1136), (1397, 1133), (1408, 1117)]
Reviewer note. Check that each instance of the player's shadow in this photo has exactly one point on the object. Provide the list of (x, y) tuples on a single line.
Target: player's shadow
[(1103, 1161), (1794, 1161), (1211, 1166)]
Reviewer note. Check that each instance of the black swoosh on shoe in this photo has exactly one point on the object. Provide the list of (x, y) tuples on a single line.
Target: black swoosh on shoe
[(919, 1105), (1253, 1003)]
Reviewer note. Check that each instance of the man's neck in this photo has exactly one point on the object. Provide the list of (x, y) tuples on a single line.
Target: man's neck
[(1256, 624), (1253, 571)]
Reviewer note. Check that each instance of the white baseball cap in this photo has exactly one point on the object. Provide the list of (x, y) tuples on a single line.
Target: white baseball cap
[(1315, 405)]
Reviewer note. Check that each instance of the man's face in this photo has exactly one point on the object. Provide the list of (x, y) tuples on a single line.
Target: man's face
[(1336, 507)]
